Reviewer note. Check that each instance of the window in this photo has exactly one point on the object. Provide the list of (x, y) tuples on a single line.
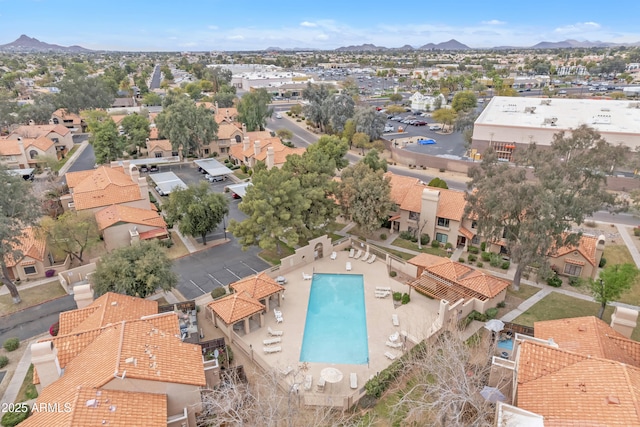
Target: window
[(475, 240), (442, 238), (56, 121), (174, 153), (474, 224), (572, 269), (33, 154), (158, 155), (414, 216), (55, 140), (443, 222), (30, 269), (206, 151), (238, 138)]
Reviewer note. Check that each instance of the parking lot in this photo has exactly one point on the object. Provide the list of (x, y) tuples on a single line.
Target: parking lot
[(201, 272)]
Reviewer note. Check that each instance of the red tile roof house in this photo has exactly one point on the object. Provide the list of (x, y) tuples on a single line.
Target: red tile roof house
[(262, 147), (117, 362), (59, 135), (119, 198), (575, 372), (71, 121), (36, 258)]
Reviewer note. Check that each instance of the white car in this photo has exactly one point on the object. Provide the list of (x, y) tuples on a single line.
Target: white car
[(435, 127), (278, 116), (388, 128)]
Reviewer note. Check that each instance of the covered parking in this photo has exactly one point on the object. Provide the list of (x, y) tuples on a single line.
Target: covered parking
[(166, 182), (239, 189), (213, 167)]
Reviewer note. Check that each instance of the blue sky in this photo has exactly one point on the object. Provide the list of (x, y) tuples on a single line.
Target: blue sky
[(325, 24)]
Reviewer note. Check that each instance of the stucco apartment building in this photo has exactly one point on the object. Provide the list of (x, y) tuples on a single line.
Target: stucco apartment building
[(117, 362), (36, 258), (511, 123), (22, 148), (260, 146), (119, 199)]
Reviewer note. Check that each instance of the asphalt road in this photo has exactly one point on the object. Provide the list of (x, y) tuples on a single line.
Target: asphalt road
[(155, 78), (34, 320), (85, 161)]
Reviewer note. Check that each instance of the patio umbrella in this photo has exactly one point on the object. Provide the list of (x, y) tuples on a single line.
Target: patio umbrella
[(331, 375), (492, 394), (494, 325)]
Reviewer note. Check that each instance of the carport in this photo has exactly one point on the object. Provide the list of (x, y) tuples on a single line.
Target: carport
[(166, 182), (213, 167), (239, 189)]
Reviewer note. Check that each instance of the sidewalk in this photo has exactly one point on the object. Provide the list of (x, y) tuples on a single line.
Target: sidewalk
[(30, 284), (19, 374)]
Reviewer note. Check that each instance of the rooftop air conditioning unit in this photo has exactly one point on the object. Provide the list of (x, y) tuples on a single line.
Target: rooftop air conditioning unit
[(545, 102), (531, 110)]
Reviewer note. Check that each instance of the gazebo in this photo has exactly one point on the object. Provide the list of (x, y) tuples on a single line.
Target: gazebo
[(237, 307), (260, 287)]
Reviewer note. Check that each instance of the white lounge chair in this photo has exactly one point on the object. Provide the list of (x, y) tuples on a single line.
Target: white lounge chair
[(272, 341), (393, 344), (372, 259), (306, 276), (320, 385), (279, 318), (382, 289), (382, 294), (394, 336), (394, 319), (308, 381), (274, 333), (354, 380), (358, 254), (348, 266), (286, 371), (352, 252), (269, 350), (334, 255), (390, 356), (365, 257), (277, 312)]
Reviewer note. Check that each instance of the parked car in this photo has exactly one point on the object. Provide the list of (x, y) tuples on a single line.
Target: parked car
[(235, 196), (217, 178), (278, 116), (153, 168), (420, 123), (160, 192), (435, 127), (144, 168), (388, 128)]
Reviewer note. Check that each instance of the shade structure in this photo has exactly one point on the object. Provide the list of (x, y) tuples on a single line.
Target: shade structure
[(495, 325), (492, 394), (331, 375)]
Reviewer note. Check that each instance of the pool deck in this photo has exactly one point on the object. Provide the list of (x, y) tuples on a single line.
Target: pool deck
[(415, 318)]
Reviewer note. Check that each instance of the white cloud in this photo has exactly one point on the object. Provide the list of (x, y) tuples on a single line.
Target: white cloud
[(308, 24), (237, 37), (578, 27), (322, 37), (212, 27), (493, 22)]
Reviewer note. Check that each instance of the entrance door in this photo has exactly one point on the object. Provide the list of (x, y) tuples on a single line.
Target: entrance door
[(462, 241)]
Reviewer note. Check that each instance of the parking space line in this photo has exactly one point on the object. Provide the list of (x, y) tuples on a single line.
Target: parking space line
[(194, 284), (248, 266), (233, 273), (219, 282)]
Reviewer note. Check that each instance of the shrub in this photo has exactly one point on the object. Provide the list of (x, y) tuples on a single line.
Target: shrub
[(461, 260), (392, 274), (590, 224), (483, 246), (486, 256), (383, 236), (13, 418), (4, 360), (554, 281), (54, 329), (435, 244), (379, 383), (636, 231), (425, 239), (243, 168), (501, 304), (494, 260), (574, 281), (472, 258), (491, 313), (505, 265), (473, 250), (442, 170), (603, 262), (448, 245), (405, 298), (11, 344), (218, 292), (480, 264), (414, 239), (406, 235), (397, 296), (49, 273)]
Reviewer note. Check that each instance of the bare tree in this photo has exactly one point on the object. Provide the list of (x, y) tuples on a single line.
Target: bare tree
[(447, 376)]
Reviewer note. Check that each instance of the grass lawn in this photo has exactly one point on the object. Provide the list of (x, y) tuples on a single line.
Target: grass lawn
[(272, 256), (427, 249), (31, 297), (524, 293), (399, 254), (178, 249), (619, 254), (559, 306), (27, 389), (62, 162), (241, 175)]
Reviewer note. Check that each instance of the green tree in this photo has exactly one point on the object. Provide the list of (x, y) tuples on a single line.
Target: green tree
[(531, 216), (464, 101), (296, 109), (72, 233), (136, 130), (361, 141), (334, 147), (151, 99), (274, 205), (446, 116), (94, 118), (106, 142), (348, 131), (373, 160), (79, 92), (187, 126), (19, 209), (365, 196), (137, 270), (438, 183), (316, 109), (614, 280), (284, 134), (197, 211), (369, 121), (253, 109), (395, 98), (339, 108), (224, 99)]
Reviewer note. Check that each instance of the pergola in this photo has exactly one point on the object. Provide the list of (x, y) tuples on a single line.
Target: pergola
[(260, 287), (237, 307)]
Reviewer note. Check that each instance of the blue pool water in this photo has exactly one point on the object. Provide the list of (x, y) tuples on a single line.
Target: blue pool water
[(506, 344), (336, 327)]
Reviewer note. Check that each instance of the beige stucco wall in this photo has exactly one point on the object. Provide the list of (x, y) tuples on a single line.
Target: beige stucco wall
[(18, 270), (179, 396), (588, 271), (118, 236)]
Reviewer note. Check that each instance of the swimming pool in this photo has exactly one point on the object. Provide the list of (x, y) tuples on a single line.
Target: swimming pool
[(336, 327)]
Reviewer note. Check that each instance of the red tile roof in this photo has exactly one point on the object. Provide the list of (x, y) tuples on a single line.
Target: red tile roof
[(236, 307), (103, 186), (586, 247), (117, 214), (31, 245), (258, 287)]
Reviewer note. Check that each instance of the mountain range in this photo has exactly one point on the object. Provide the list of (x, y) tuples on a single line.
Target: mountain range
[(29, 44)]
